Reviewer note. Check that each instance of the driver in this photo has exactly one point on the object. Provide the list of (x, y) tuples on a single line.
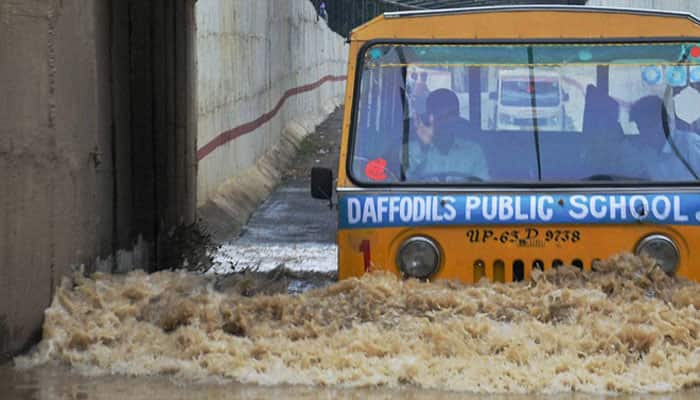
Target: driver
[(439, 149)]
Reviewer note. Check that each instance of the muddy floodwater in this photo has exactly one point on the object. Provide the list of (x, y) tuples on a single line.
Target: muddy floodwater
[(59, 383), (626, 328)]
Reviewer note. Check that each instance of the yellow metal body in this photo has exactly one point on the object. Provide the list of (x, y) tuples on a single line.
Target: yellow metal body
[(468, 261), (464, 258)]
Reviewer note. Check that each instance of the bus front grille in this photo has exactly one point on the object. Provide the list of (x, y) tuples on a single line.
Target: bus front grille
[(500, 270)]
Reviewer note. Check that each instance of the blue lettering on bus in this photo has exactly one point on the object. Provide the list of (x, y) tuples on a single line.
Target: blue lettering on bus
[(373, 211)]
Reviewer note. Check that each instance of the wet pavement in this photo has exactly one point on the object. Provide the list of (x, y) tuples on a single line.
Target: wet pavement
[(290, 215), (290, 228)]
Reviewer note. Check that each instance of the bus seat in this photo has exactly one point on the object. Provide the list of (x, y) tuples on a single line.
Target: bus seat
[(514, 169), (559, 154), (601, 115), (601, 136)]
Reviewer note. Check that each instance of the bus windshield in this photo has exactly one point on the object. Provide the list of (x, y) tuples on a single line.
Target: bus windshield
[(527, 113)]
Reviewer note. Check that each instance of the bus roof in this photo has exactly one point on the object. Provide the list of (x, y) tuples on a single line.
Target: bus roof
[(545, 22), (436, 4), (549, 7)]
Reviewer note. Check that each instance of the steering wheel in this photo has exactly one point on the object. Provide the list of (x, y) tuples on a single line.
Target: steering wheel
[(447, 176)]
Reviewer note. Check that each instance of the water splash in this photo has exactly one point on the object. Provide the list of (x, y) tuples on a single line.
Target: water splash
[(626, 327)]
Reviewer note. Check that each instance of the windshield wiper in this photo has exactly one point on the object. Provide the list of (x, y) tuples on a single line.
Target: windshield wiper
[(533, 105), (612, 178), (406, 111)]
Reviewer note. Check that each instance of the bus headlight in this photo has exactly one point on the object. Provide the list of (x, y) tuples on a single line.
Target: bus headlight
[(662, 249), (418, 257)]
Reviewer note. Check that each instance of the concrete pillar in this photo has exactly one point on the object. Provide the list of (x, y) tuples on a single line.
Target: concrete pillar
[(97, 144), (55, 160)]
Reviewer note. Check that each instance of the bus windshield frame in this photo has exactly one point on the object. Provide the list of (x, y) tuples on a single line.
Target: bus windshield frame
[(476, 111)]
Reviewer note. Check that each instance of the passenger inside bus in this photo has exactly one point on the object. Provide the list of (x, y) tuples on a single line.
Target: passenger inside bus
[(606, 153), (419, 93), (670, 154), (440, 151)]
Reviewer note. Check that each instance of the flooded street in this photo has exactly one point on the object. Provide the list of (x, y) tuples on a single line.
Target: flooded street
[(505, 202), (286, 328), (626, 328), (59, 383)]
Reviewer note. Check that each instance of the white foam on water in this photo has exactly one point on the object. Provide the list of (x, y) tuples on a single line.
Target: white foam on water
[(625, 328), (318, 257)]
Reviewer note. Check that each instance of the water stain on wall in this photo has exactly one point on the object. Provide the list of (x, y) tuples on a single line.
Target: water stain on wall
[(4, 334)]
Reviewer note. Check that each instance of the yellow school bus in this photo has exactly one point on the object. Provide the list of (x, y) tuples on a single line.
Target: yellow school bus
[(489, 142)]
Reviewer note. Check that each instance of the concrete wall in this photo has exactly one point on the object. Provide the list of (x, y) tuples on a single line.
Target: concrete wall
[(268, 72), (692, 6), (88, 175), (55, 165)]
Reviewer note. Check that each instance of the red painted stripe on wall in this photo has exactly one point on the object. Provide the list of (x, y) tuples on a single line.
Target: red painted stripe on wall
[(248, 127)]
